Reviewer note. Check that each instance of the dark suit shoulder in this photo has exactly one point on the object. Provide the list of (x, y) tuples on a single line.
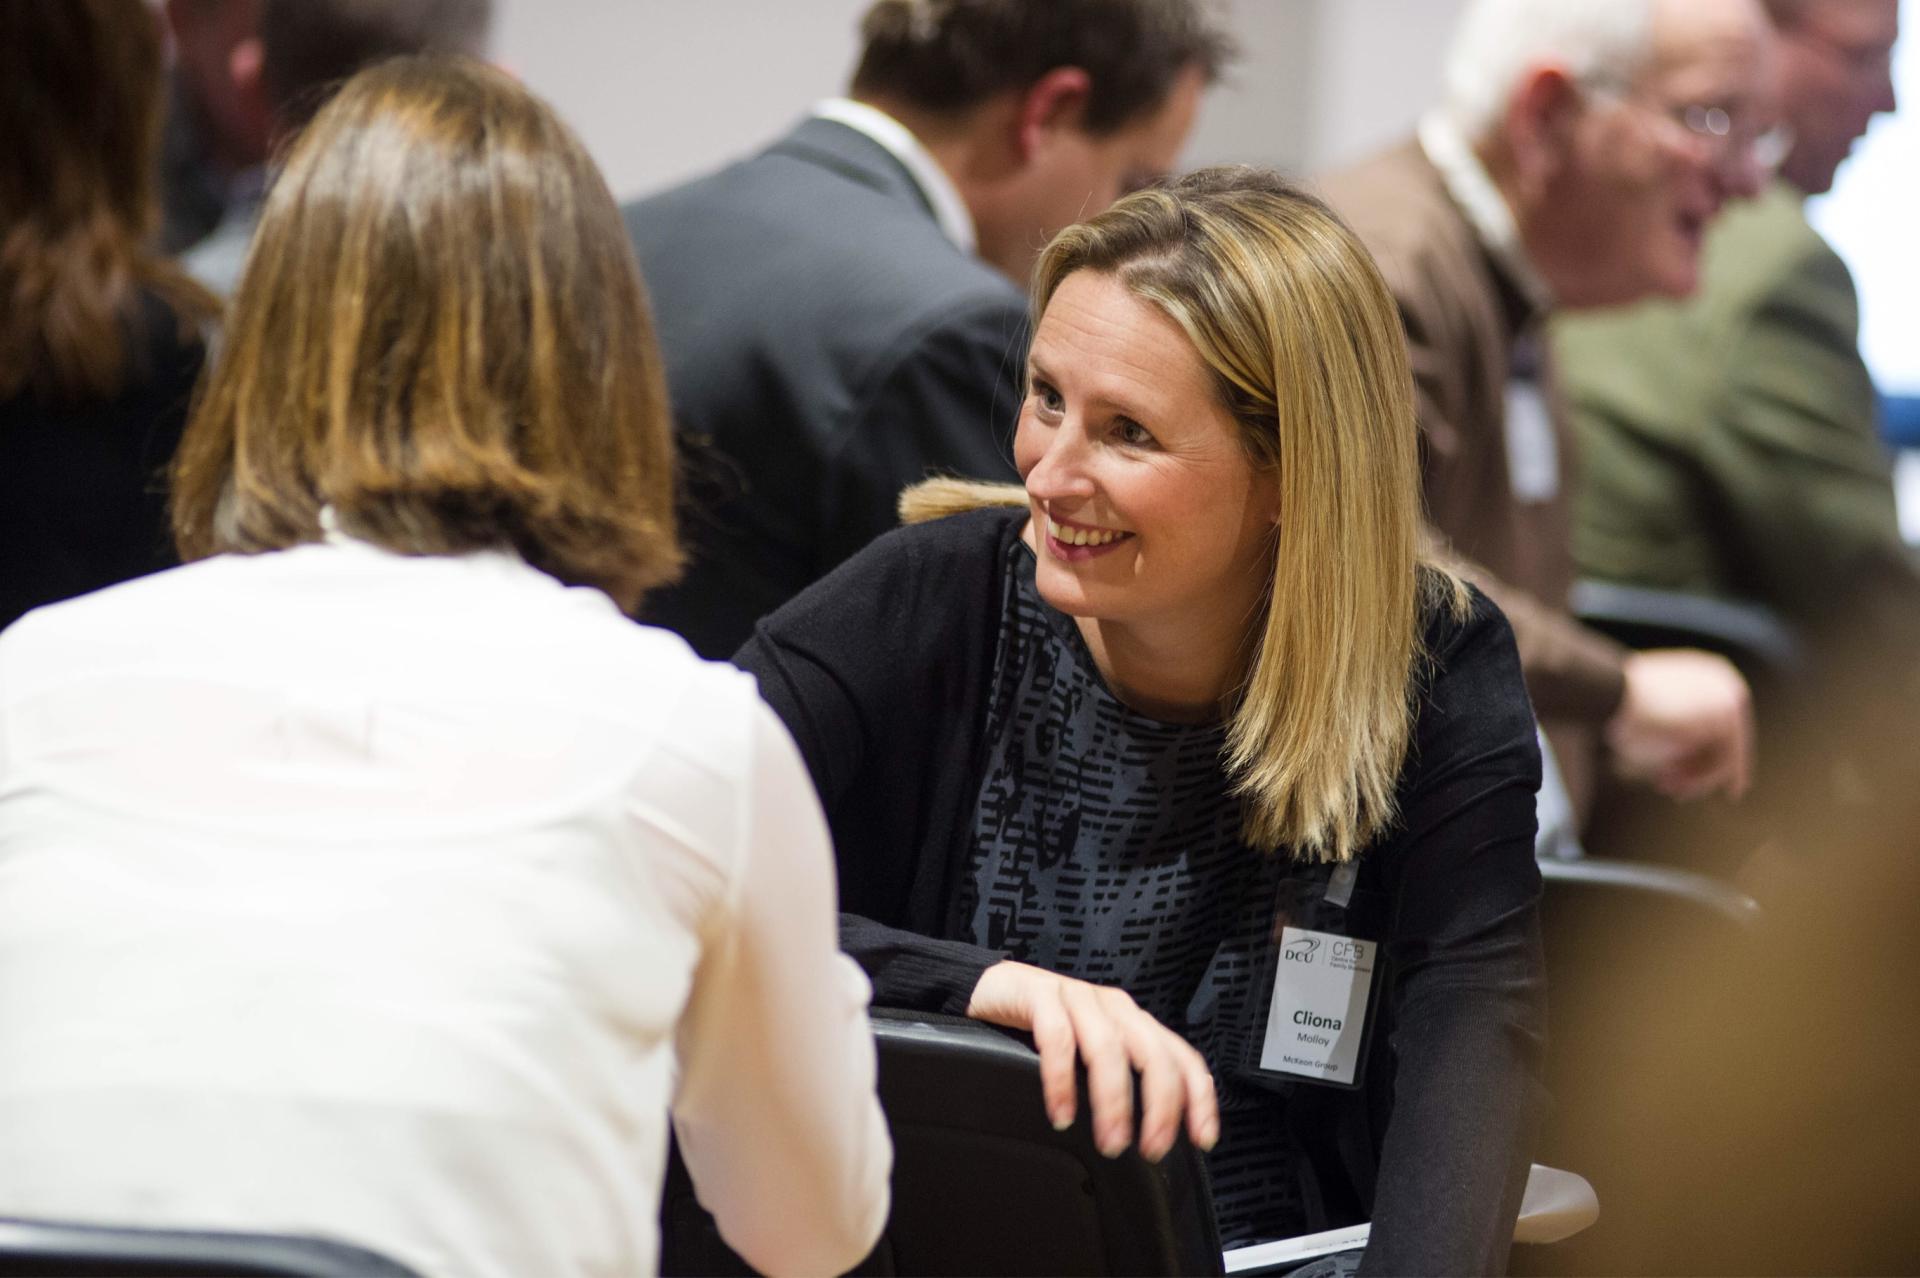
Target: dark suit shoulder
[(798, 231)]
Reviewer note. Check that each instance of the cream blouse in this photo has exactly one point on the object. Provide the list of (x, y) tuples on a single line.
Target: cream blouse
[(398, 898)]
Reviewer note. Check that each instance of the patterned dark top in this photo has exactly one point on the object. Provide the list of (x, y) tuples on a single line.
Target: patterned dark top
[(1106, 847), (921, 689)]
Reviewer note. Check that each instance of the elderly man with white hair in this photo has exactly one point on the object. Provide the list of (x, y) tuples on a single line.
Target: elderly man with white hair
[(1732, 440), (1581, 150)]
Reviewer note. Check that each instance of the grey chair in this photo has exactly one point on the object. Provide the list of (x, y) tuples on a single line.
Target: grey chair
[(65, 1249), (1753, 637)]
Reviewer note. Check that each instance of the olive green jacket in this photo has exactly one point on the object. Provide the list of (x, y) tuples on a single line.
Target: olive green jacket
[(1729, 444)]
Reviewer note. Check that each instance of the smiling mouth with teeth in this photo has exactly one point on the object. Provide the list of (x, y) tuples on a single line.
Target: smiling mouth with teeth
[(1083, 536)]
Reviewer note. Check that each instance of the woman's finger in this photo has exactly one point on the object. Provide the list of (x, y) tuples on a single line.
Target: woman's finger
[(1203, 1106), (1053, 1038), (1163, 1093), (1109, 1072)]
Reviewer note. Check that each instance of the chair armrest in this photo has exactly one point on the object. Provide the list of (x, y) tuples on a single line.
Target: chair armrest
[(1698, 890), (1644, 617)]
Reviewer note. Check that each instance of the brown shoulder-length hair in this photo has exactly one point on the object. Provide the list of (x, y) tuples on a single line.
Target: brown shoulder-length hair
[(1303, 341), (80, 115), (441, 335)]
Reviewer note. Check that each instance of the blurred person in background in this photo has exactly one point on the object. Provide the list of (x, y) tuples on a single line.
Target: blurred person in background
[(845, 312), (1580, 152), (1730, 442), (256, 70), (372, 874), (217, 120), (100, 338)]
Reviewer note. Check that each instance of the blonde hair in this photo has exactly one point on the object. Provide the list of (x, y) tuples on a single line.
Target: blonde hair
[(1304, 342), (440, 333)]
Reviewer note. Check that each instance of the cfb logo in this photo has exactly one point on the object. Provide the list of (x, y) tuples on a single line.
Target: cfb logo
[(1345, 951)]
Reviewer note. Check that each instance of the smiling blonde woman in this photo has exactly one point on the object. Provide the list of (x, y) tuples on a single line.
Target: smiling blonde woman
[(1116, 763)]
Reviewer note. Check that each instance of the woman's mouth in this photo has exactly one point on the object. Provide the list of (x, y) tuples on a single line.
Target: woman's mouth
[(1078, 541)]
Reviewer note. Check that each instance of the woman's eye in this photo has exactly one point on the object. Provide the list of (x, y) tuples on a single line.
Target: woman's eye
[(1049, 399), (1131, 432)]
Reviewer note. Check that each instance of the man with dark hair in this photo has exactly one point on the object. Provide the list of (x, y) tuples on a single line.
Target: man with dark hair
[(843, 312), (1730, 441), (261, 68)]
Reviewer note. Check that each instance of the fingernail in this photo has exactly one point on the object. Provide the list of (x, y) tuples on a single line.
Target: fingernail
[(1210, 1135), (1112, 1145), (1061, 1119)]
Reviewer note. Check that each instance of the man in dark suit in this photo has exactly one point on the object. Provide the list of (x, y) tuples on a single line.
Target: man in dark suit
[(1582, 148), (844, 312)]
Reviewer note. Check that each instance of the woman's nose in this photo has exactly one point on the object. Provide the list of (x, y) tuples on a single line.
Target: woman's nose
[(1062, 469)]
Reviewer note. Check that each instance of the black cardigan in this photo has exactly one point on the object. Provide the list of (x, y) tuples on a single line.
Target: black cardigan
[(82, 482), (882, 671)]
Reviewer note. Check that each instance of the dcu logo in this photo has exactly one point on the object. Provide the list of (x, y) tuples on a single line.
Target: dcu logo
[(1302, 950)]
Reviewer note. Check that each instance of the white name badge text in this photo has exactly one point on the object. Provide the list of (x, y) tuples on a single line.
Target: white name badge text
[(1321, 985)]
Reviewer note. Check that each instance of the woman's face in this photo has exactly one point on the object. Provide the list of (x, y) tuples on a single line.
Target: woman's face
[(1147, 511)]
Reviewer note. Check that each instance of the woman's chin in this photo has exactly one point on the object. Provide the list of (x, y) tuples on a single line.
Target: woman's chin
[(1063, 592)]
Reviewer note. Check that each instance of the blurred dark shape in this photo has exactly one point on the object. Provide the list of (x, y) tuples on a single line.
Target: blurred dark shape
[(98, 341), (1760, 1086)]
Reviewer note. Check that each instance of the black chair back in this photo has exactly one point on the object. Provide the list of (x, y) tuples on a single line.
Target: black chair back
[(982, 1184)]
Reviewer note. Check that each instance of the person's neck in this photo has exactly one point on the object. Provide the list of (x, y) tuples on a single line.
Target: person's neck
[(1526, 201), (1177, 673), (971, 149)]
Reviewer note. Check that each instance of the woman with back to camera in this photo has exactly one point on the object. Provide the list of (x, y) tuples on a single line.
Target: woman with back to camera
[(1120, 764), (99, 336), (373, 874)]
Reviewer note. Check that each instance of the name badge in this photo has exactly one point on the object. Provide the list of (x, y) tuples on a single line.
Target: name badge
[(1318, 1018)]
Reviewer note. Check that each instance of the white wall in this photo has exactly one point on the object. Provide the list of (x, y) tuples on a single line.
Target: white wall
[(664, 89), (1375, 67), (1869, 217)]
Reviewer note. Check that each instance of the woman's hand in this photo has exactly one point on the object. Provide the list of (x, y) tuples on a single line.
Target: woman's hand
[(1105, 1028)]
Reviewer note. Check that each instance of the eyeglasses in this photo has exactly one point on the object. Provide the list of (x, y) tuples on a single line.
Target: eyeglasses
[(1725, 138), (1715, 128)]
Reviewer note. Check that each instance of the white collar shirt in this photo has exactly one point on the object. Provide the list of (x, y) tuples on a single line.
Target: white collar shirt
[(949, 210), (1472, 188)]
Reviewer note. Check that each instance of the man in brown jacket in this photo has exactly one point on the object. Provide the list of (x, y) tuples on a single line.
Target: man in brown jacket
[(1581, 150)]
